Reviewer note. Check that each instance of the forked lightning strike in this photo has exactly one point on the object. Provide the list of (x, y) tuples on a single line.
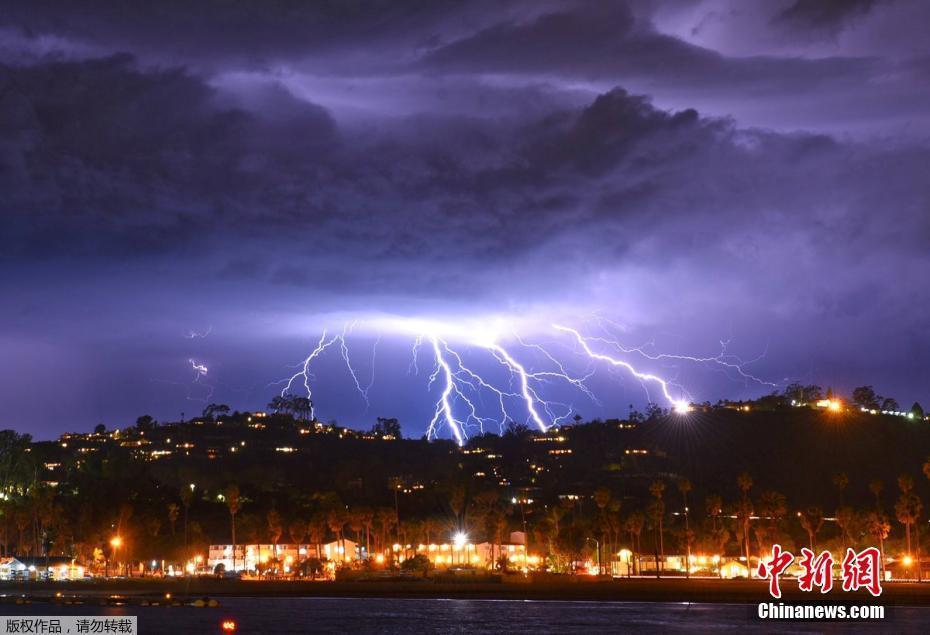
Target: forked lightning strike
[(724, 359), (517, 395), (679, 405)]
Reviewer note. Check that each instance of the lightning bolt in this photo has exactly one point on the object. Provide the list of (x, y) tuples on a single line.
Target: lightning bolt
[(679, 405), (463, 387), (201, 334), (514, 390), (728, 361), (200, 371), (444, 404), (304, 375)]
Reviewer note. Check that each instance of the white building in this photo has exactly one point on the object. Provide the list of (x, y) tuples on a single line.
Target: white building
[(249, 557), (41, 568)]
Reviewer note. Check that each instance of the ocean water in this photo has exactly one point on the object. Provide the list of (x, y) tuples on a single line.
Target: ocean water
[(500, 617)]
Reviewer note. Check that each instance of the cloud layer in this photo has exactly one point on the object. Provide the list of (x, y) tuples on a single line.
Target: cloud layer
[(257, 169)]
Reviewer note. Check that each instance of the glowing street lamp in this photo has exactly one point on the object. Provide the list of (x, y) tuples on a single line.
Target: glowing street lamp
[(459, 540), (116, 542)]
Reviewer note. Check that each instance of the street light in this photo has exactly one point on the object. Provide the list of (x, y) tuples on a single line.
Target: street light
[(597, 545), (459, 540), (116, 542)]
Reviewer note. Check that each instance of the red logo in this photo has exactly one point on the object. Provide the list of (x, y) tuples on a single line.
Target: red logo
[(858, 570)]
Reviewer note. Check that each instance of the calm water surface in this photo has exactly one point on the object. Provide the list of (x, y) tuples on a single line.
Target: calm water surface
[(382, 615)]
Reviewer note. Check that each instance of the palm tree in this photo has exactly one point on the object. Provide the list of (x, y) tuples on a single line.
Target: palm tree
[(367, 518), (812, 520), (614, 524), (336, 521), (634, 526), (657, 489), (317, 530), (187, 498), (684, 486), (495, 525), (356, 524), (720, 537), (744, 513), (173, 510), (714, 506), (845, 516), (275, 527), (553, 528), (232, 503), (602, 499), (771, 508), (878, 527), (907, 510), (297, 530), (903, 506), (386, 520), (656, 512)]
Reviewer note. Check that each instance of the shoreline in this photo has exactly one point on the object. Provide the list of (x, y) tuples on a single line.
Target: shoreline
[(709, 591)]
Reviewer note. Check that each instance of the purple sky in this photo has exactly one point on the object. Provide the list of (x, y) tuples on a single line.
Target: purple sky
[(748, 171)]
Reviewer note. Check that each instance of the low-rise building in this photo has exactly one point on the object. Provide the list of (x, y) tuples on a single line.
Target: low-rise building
[(288, 556), (40, 568)]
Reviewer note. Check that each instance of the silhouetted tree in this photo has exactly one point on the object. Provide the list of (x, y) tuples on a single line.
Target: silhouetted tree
[(865, 397), (387, 427), (146, 423), (744, 513), (890, 404), (215, 409), (232, 503)]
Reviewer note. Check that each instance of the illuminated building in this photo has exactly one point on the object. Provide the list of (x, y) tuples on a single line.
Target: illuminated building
[(287, 556)]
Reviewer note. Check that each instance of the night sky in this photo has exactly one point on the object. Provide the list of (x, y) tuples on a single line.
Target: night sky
[(211, 182)]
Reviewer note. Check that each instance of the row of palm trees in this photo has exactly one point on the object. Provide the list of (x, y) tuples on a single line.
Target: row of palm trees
[(379, 529), (763, 518)]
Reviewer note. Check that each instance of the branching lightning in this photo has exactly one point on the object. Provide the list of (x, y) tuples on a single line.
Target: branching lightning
[(513, 381), (304, 375), (680, 405), (724, 359), (200, 372), (201, 334)]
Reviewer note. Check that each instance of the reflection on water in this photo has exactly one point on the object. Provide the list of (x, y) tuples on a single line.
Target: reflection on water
[(385, 615)]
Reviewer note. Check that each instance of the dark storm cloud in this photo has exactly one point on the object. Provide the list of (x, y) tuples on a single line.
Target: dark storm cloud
[(828, 15), (245, 168), (214, 34), (606, 44), (604, 40), (99, 155)]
